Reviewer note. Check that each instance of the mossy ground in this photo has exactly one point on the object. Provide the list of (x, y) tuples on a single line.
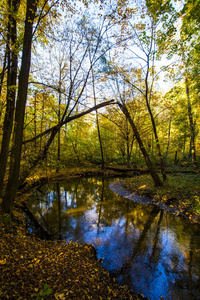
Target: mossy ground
[(180, 191)]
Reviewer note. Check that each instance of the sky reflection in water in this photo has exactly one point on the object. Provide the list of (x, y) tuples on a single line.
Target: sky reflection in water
[(152, 251)]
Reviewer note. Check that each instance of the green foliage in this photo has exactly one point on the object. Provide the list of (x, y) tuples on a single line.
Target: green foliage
[(44, 293), (191, 14), (197, 203), (6, 219)]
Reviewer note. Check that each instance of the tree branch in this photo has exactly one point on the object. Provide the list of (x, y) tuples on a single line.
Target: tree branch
[(69, 119)]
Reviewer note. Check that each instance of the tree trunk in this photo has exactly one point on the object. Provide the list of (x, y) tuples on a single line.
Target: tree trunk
[(41, 122), (158, 146), (162, 167), (54, 130), (11, 88), (168, 141), (129, 145), (184, 143), (175, 158), (192, 134), (35, 120), (128, 156), (97, 123), (12, 185), (3, 71), (59, 103), (152, 171)]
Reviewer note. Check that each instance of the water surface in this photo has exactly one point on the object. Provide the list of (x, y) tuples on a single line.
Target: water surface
[(152, 251)]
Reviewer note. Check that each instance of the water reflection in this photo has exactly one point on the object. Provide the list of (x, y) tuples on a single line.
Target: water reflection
[(152, 251)]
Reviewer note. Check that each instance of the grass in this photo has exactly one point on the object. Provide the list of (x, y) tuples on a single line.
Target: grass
[(180, 190)]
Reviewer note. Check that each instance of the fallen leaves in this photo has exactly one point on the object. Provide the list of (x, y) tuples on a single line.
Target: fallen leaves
[(3, 262), (32, 269)]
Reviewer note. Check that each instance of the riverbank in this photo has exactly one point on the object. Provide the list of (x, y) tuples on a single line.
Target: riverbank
[(77, 172), (180, 194), (32, 268), (39, 179)]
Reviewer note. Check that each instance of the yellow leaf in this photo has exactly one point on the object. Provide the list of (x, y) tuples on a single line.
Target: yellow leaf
[(3, 262), (59, 296)]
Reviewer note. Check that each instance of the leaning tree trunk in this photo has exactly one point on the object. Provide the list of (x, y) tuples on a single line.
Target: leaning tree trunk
[(162, 167), (53, 132), (152, 171), (12, 185)]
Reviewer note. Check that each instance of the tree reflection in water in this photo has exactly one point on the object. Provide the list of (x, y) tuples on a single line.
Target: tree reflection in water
[(154, 252)]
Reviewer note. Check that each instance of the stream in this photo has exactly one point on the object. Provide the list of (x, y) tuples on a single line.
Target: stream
[(152, 251)]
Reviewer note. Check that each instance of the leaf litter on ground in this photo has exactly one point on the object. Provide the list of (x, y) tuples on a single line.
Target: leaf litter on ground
[(31, 268)]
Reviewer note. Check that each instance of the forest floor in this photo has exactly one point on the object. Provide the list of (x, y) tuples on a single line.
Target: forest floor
[(34, 269)]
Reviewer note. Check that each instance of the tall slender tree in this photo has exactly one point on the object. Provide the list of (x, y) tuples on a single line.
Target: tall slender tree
[(12, 185), (12, 58)]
